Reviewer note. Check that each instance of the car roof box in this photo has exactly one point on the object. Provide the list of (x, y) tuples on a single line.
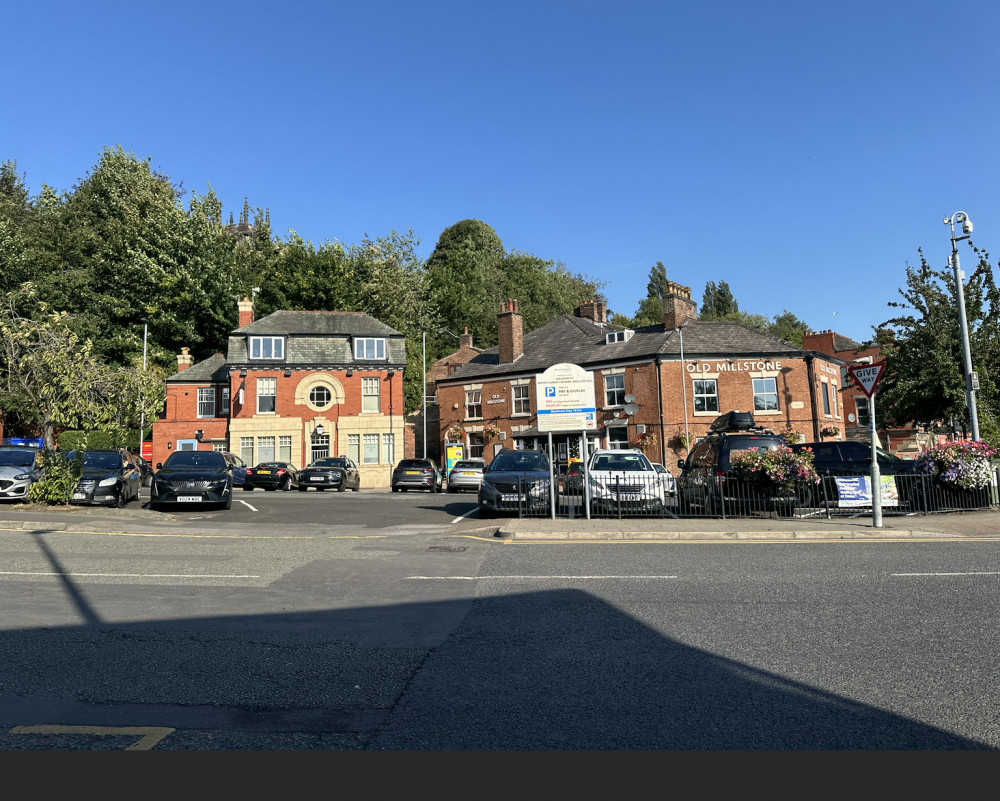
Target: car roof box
[(734, 421)]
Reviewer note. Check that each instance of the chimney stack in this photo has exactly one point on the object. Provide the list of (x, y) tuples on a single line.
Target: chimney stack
[(596, 311), (246, 311), (184, 360), (678, 306), (510, 332), (465, 341)]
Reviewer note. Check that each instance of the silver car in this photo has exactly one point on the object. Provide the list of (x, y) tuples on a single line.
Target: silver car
[(18, 470), (466, 474)]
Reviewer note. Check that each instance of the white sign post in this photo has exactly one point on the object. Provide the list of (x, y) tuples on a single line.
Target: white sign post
[(565, 399), (867, 377)]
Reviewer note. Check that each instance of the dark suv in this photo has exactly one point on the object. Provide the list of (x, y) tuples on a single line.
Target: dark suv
[(416, 474), (704, 484)]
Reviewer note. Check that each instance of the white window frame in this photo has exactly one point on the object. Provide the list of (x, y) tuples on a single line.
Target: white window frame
[(389, 448), (315, 391), (247, 450), (864, 411), (265, 449), (370, 389), (285, 448), (206, 399), (264, 349), (473, 403), (267, 388), (369, 448), (617, 437), (354, 448), (614, 395), (707, 398), (825, 388), (370, 349), (476, 445), (521, 399), (761, 392), (225, 402)]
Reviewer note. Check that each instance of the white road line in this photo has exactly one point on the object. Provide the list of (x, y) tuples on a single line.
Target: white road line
[(454, 520), (946, 574), (249, 506), (533, 578), (125, 575)]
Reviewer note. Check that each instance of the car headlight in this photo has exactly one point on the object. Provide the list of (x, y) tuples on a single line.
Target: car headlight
[(597, 489), (107, 482), (23, 477)]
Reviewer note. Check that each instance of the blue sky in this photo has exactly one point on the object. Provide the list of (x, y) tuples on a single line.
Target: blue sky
[(801, 152)]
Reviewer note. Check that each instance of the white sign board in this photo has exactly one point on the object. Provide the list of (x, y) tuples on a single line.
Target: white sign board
[(867, 376), (564, 397)]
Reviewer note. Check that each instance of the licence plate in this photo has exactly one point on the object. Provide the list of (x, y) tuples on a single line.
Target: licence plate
[(263, 472), (628, 497), (189, 499), (317, 478), (510, 498), (413, 472), (466, 474), (79, 496)]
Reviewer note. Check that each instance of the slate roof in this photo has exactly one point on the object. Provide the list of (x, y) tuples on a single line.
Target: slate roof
[(576, 340), (336, 323), (209, 371), (842, 343)]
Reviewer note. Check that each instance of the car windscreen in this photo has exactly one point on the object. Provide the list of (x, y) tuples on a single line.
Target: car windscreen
[(333, 461), (414, 464), (519, 460), (196, 459), (741, 444), (17, 458), (468, 466), (102, 461), (623, 461)]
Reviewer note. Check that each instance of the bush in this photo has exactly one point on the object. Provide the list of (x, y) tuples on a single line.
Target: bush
[(777, 469), (59, 479), (963, 463), (85, 441)]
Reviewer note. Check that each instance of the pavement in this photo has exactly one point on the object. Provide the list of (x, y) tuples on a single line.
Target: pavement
[(972, 524)]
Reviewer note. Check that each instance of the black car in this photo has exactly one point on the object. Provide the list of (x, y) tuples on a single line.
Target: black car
[(145, 468), (192, 477), (516, 482), (705, 483), (416, 474), (107, 478), (330, 472), (272, 476)]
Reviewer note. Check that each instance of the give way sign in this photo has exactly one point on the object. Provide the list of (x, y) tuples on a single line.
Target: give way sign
[(867, 376)]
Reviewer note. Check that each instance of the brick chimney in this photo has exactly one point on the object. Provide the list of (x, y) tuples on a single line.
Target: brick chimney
[(465, 341), (678, 306), (510, 333), (246, 312), (184, 360), (821, 341), (597, 311)]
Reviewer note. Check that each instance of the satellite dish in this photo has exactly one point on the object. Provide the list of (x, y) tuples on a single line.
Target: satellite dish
[(616, 414), (631, 408), (630, 399)]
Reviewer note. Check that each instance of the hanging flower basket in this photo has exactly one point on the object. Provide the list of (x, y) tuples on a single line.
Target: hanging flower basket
[(963, 464), (645, 440), (829, 431), (456, 434), (489, 432), (775, 472)]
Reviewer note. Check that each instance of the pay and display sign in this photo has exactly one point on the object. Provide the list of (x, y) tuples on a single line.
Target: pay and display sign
[(564, 395), (867, 376)]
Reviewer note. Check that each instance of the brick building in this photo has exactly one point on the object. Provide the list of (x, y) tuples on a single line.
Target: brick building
[(664, 379), (293, 386)]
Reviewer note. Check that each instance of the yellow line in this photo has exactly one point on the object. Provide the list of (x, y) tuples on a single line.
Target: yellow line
[(148, 735), (755, 541)]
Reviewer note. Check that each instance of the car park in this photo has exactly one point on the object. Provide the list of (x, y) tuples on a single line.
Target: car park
[(19, 469), (107, 478), (516, 482), (330, 472), (466, 474), (624, 481), (421, 474), (190, 478), (705, 483), (272, 476)]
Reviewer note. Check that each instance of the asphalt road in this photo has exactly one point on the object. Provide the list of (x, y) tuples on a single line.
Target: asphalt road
[(361, 634)]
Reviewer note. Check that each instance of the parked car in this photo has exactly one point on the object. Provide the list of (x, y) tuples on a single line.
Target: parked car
[(238, 466), (416, 474), (705, 484), (846, 458), (192, 477), (466, 474), (624, 481), (19, 469), (272, 476), (669, 482), (515, 482), (108, 478), (573, 480), (145, 469), (330, 472)]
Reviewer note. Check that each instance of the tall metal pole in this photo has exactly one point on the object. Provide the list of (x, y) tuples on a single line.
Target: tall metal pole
[(142, 412), (684, 393), (424, 394), (970, 392), (876, 475)]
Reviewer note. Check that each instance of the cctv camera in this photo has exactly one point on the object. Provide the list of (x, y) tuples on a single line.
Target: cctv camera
[(967, 226)]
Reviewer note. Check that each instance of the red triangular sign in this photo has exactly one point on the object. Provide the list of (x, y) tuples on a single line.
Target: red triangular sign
[(867, 376)]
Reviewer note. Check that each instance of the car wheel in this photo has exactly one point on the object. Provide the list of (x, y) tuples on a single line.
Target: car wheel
[(229, 502), (287, 485), (120, 498), (341, 488)]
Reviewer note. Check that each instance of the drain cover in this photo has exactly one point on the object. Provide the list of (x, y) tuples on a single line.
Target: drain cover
[(447, 548)]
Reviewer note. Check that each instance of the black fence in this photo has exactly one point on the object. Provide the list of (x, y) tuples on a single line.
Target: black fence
[(840, 495)]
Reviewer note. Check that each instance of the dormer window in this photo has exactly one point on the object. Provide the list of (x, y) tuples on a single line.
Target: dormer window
[(618, 336), (369, 348), (267, 348)]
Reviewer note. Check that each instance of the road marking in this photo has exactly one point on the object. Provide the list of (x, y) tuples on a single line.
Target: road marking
[(462, 517), (994, 573), (534, 578), (249, 506), (124, 575), (148, 735)]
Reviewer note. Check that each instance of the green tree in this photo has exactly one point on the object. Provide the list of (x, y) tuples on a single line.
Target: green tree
[(718, 303), (788, 327)]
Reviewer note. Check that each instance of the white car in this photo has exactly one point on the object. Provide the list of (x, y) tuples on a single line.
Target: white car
[(624, 482), (19, 469), (669, 482)]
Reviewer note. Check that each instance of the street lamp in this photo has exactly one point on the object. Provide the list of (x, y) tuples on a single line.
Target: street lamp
[(971, 379)]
